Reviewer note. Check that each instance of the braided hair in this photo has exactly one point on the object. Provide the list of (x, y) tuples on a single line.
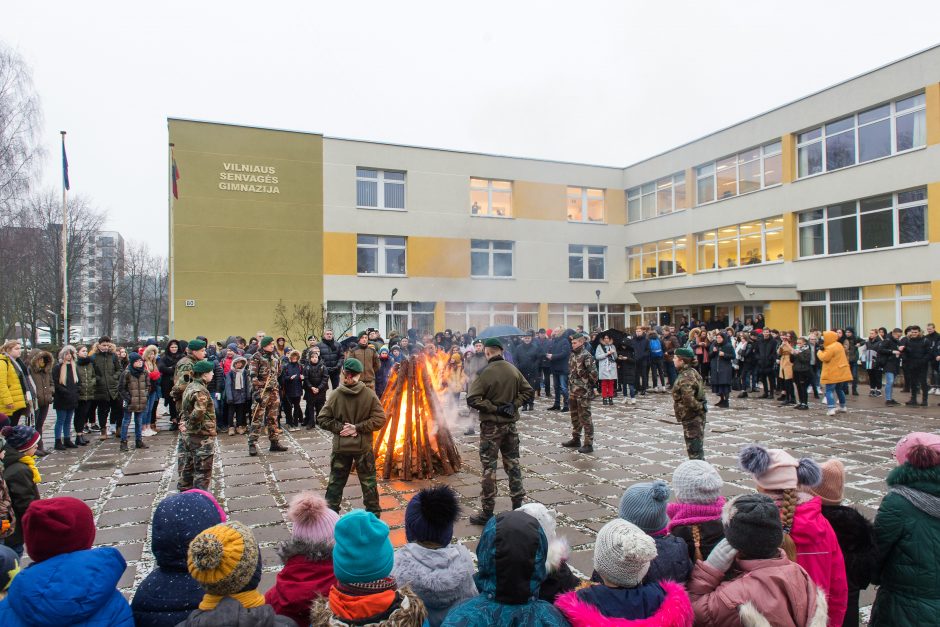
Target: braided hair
[(787, 513)]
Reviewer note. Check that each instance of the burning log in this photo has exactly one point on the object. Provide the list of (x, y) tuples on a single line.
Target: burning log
[(415, 442)]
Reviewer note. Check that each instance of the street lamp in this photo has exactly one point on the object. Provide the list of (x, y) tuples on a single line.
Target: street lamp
[(598, 294), (392, 303)]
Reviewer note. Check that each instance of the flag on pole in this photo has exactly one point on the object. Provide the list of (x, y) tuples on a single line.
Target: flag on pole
[(65, 165), (175, 175)]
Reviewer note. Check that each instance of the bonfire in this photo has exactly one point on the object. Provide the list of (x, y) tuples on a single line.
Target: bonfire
[(415, 442)]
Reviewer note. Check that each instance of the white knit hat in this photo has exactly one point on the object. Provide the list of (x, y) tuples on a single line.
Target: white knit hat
[(557, 551), (622, 553), (696, 481)]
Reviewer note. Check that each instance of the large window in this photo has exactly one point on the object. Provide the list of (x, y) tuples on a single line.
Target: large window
[(871, 134), (585, 204), (586, 262), (348, 318), (490, 259), (656, 198), (380, 189), (866, 308), (490, 198), (657, 259), (744, 172), (746, 244), (868, 224), (382, 255), (462, 316), (590, 317)]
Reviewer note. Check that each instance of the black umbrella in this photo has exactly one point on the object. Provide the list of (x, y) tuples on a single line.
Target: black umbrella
[(500, 330), (615, 335)]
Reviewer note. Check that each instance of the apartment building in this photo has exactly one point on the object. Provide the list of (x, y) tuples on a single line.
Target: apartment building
[(94, 306)]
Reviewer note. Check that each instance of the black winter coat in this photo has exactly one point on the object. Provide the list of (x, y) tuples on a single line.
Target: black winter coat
[(886, 357), (528, 356), (916, 352), (672, 561), (856, 536), (720, 358), (291, 375), (711, 532), (766, 353), (330, 355), (167, 366), (65, 396), (315, 376), (626, 360)]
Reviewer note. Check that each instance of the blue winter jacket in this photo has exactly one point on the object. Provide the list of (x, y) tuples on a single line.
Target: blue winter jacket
[(511, 567), (69, 590), (233, 396), (561, 350)]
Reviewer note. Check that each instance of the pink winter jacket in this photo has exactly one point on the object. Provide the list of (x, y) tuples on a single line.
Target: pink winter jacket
[(775, 589), (817, 550), (675, 611)]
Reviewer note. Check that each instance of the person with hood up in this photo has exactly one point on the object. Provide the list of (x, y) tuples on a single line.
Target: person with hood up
[(40, 369), (907, 528), (439, 572), (65, 398), (855, 534), (353, 413), (167, 366), (835, 371), (696, 515), (237, 395), (292, 384), (385, 369), (365, 593), (68, 583), (21, 476), (168, 594), (748, 580), (808, 538), (644, 505), (558, 576), (307, 558), (9, 568), (7, 514), (134, 387), (511, 568), (226, 561), (625, 596)]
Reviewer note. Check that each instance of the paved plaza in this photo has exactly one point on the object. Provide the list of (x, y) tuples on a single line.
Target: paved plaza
[(633, 443)]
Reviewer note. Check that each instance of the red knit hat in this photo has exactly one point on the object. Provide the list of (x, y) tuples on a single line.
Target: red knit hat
[(62, 524)]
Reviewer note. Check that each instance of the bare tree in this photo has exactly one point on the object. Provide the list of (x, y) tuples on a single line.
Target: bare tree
[(305, 319), (20, 131), (157, 293), (137, 266), (109, 290)]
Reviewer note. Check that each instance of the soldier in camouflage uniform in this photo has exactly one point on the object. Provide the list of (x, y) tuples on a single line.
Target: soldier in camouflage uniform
[(197, 443), (582, 385), (265, 368), (183, 375), (497, 393), (353, 413), (688, 397)]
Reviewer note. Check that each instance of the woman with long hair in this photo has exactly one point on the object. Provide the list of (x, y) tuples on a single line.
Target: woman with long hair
[(153, 390), (167, 367), (65, 397), (85, 409)]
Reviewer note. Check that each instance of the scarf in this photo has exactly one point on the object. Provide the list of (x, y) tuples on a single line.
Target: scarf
[(687, 514), (248, 599), (926, 503), (364, 600), (239, 378), (30, 460)]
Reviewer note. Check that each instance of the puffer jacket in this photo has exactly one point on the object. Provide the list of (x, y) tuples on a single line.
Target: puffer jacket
[(134, 386), (231, 613), (86, 379), (442, 578), (107, 376), (514, 543), (768, 592), (315, 376), (406, 610), (658, 604), (835, 366), (672, 560), (71, 589), (307, 574), (23, 490), (330, 354), (12, 397), (908, 565), (886, 357), (40, 367), (818, 551), (857, 540), (65, 396)]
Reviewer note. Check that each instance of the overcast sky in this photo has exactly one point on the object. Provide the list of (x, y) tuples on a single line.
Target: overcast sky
[(598, 82)]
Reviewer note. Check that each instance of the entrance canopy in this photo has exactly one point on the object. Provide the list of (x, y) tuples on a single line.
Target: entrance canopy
[(722, 293)]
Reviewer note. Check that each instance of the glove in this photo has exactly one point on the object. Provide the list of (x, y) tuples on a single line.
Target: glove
[(722, 556), (507, 409)]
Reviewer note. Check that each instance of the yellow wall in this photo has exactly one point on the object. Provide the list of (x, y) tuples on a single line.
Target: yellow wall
[(438, 257), (691, 254), (237, 253), (934, 302), (789, 236), (933, 114), (440, 318), (339, 253), (543, 315), (933, 212), (539, 201), (788, 156), (783, 315), (615, 204)]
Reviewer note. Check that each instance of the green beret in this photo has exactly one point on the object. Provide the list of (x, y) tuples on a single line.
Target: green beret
[(579, 336), (685, 353), (195, 345), (352, 365), (363, 334), (475, 342), (493, 342), (267, 339), (202, 366)]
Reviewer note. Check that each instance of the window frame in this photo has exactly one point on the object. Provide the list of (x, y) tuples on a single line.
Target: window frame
[(489, 189), (583, 194), (635, 254), (762, 157), (898, 299), (586, 256), (491, 251), (381, 246), (652, 188), (380, 182), (738, 238)]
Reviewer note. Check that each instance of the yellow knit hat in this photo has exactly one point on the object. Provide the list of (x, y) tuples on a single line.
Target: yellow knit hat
[(225, 559)]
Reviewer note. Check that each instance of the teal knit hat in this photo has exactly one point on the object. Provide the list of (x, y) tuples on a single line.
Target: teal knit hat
[(644, 505), (362, 552)]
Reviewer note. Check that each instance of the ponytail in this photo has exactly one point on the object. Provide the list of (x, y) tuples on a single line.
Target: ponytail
[(787, 513), (697, 540)]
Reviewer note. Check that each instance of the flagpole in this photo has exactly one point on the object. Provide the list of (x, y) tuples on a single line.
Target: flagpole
[(66, 336), (171, 320)]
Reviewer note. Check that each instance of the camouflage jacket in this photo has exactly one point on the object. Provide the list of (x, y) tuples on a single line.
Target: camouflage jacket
[(182, 377), (265, 370), (688, 395), (198, 410), (582, 373)]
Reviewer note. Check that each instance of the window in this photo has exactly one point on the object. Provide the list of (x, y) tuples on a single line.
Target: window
[(490, 259), (490, 198), (462, 316), (585, 204), (871, 134), (657, 198), (380, 189), (586, 262), (747, 244), (867, 224), (866, 308), (406, 316), (659, 259), (382, 255), (745, 172)]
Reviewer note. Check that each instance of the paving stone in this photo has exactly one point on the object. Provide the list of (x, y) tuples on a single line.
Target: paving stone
[(148, 477), (142, 500), (275, 533), (110, 519), (259, 516), (251, 502), (115, 535), (131, 552), (134, 489), (127, 579)]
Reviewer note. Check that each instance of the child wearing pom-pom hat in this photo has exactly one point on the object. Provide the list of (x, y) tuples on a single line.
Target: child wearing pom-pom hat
[(808, 538)]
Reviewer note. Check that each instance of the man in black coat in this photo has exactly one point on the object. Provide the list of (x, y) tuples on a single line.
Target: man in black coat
[(528, 356), (330, 355), (915, 359), (766, 349), (558, 357), (545, 365)]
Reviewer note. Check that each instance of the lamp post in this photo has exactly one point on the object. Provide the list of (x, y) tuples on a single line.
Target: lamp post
[(598, 294), (392, 303)]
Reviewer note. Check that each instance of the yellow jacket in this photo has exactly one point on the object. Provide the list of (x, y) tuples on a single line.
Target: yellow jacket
[(11, 392), (835, 365)]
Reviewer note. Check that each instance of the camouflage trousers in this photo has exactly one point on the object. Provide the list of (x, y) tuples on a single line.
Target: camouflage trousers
[(580, 407), (694, 432), (194, 457), (266, 410), (340, 467), (496, 438)]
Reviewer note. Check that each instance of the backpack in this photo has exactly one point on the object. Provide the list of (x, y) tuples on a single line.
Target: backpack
[(656, 348)]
